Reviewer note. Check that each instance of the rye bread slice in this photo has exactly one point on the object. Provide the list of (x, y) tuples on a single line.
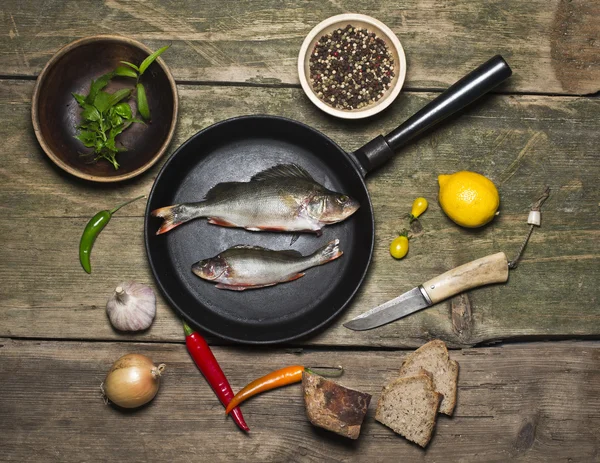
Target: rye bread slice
[(433, 357), (409, 407), (334, 407)]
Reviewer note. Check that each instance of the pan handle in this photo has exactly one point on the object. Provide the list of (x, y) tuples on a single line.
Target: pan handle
[(462, 93)]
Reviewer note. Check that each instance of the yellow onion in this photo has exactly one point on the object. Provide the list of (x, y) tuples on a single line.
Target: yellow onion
[(132, 381)]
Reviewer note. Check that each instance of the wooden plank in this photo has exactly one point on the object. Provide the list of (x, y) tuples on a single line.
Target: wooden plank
[(534, 402), (522, 142), (553, 292), (551, 45)]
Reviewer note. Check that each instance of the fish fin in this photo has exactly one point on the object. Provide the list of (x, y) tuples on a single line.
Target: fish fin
[(268, 228), (286, 252), (172, 217), (295, 277), (242, 287), (230, 287), (249, 246), (221, 222), (294, 239), (283, 171), (219, 189), (329, 252)]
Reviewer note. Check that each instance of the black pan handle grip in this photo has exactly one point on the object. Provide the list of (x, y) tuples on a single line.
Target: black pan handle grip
[(462, 93)]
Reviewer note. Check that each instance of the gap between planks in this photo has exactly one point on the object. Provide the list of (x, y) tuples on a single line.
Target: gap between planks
[(407, 89), (291, 348)]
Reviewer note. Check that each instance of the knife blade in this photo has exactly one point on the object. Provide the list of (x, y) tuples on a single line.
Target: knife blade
[(489, 269), (399, 307)]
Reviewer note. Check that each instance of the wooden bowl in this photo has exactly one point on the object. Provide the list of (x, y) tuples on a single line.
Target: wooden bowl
[(372, 25), (56, 114)]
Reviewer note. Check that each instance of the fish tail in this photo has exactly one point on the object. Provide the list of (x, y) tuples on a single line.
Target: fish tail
[(172, 216), (329, 252)]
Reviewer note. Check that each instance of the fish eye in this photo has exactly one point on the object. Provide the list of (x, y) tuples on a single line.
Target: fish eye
[(342, 199)]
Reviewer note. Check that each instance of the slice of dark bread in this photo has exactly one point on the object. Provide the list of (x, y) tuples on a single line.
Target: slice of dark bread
[(433, 357), (334, 407), (409, 406)]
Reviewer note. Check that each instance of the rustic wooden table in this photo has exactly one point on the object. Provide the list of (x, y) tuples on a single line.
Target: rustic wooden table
[(529, 385)]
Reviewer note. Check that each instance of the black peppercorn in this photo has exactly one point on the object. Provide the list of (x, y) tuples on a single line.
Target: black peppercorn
[(351, 68)]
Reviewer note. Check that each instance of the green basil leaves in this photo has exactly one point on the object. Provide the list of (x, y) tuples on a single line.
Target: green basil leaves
[(106, 115)]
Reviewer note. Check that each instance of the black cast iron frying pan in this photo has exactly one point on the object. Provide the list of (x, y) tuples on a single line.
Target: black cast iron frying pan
[(235, 150)]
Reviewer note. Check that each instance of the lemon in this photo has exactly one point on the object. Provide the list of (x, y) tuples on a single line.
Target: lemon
[(468, 198)]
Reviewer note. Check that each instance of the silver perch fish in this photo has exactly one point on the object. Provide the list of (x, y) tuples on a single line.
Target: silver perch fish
[(247, 267), (281, 198)]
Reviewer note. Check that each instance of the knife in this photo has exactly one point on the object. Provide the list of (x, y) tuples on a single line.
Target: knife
[(484, 271)]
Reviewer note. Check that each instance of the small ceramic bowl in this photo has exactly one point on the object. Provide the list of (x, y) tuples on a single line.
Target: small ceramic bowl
[(372, 25), (56, 114)]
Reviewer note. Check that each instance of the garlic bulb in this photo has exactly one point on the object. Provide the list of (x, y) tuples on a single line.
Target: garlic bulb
[(132, 307)]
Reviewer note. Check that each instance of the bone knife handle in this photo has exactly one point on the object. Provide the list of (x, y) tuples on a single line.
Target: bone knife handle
[(484, 271)]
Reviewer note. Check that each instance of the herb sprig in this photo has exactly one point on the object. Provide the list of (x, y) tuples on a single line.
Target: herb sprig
[(106, 115)]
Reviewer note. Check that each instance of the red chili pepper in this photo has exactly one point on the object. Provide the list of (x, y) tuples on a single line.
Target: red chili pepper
[(208, 365)]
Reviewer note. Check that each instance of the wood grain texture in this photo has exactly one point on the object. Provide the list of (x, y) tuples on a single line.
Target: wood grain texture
[(521, 142), (530, 403), (533, 402), (553, 46)]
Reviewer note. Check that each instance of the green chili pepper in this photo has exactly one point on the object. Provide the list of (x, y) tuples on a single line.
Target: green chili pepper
[(91, 232)]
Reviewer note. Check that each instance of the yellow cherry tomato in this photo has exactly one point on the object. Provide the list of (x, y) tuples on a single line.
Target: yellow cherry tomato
[(399, 246), (419, 206)]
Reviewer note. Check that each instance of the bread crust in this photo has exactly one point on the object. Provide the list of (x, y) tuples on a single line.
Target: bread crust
[(445, 372), (334, 407), (428, 395)]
